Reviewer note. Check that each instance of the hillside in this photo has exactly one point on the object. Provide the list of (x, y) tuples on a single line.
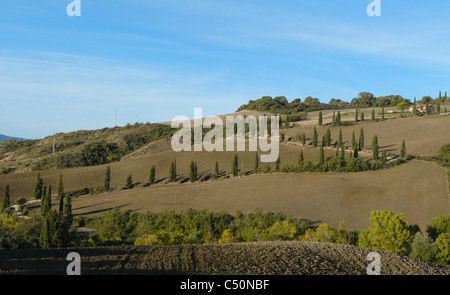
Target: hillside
[(264, 258), (79, 148), (6, 138)]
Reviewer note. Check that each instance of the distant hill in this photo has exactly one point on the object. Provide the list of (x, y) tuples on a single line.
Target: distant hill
[(5, 138), (83, 147)]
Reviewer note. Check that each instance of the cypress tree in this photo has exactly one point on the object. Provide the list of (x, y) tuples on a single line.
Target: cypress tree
[(333, 121), (375, 147), (361, 139), (356, 115), (315, 141), (440, 95), (382, 113), (303, 139), (338, 118), (362, 116), (438, 106), (320, 118), (60, 190), (373, 115), (45, 237), (129, 182), (415, 107), (107, 181), (67, 213), (175, 169), (152, 177), (256, 165), (328, 137), (193, 172), (46, 202), (403, 150), (43, 199), (38, 187), (300, 157), (235, 165), (321, 155), (340, 137), (342, 153), (353, 140), (173, 172), (216, 169), (427, 109), (355, 153), (6, 198)]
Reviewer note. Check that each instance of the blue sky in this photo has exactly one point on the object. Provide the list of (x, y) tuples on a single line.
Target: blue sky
[(160, 59)]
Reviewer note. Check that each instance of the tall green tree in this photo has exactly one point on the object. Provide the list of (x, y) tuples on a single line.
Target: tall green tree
[(193, 171), (355, 153), (38, 187), (235, 165), (403, 150), (46, 202), (107, 180), (438, 106), (300, 157), (333, 120), (340, 138), (382, 113), (320, 118), (321, 155), (45, 237), (129, 182), (342, 154), (315, 140), (172, 171), (6, 203), (303, 139), (373, 115), (353, 140), (361, 139), (362, 116), (60, 190), (415, 107), (216, 169), (152, 176), (328, 137), (67, 212), (356, 115), (375, 148), (338, 118)]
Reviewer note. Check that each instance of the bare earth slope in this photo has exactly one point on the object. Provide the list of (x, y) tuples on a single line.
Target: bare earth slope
[(330, 197), (267, 258)]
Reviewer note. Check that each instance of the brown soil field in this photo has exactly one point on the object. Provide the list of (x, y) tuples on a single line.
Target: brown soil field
[(423, 135), (139, 163), (320, 198), (265, 258)]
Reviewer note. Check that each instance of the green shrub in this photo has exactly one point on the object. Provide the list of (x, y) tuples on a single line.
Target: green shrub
[(443, 244), (438, 226), (423, 247)]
